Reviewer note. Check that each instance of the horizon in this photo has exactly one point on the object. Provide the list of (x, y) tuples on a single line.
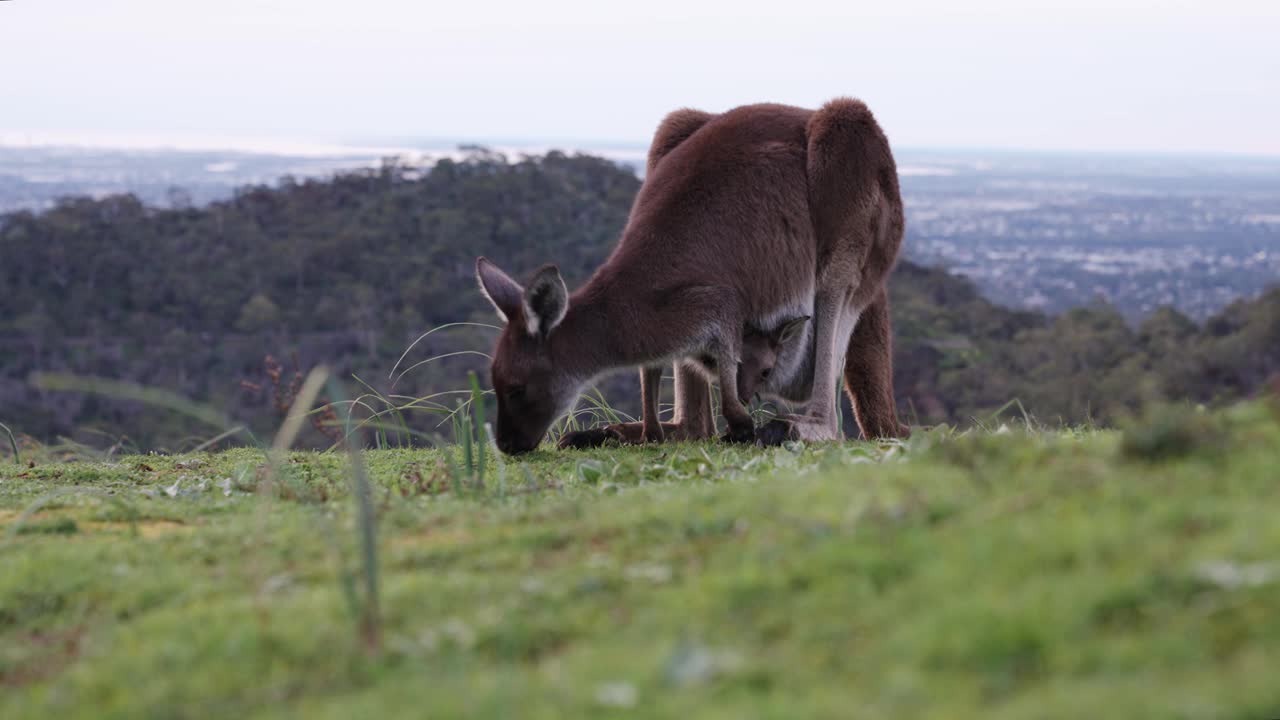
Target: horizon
[(1129, 77), (299, 145)]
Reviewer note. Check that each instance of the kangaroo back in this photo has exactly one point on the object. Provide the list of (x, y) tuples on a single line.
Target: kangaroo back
[(744, 218)]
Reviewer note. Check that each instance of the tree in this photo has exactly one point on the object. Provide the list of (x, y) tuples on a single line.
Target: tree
[(258, 314)]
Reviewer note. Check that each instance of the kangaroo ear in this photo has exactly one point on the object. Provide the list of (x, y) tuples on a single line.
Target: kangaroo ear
[(791, 329), (546, 300), (505, 293)]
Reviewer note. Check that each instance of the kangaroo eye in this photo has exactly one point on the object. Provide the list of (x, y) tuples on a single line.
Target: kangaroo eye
[(765, 372)]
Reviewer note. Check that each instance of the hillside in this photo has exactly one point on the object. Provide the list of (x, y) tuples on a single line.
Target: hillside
[(1004, 574), (349, 271)]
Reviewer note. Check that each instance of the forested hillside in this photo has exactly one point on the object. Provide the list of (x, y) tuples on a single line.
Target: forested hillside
[(347, 272)]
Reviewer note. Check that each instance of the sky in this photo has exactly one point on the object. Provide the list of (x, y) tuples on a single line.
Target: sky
[(1084, 75)]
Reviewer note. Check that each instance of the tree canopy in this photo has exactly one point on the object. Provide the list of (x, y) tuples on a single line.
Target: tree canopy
[(348, 271)]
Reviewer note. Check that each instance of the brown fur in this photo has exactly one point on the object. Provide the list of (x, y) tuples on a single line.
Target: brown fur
[(760, 350), (868, 372), (762, 211), (759, 355)]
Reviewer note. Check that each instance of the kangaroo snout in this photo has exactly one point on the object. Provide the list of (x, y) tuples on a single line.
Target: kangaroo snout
[(514, 446)]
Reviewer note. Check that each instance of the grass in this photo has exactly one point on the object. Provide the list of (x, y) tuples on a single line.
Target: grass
[(999, 573)]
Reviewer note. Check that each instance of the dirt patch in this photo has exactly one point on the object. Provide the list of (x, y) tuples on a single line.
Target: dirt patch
[(53, 652), (10, 516), (150, 528), (146, 528), (434, 538)]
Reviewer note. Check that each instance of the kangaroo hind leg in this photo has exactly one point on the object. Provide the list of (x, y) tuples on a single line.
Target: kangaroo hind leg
[(650, 384), (868, 372), (694, 419), (846, 152)]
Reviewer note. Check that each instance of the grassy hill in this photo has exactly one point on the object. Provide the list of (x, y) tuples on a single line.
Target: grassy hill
[(347, 272), (994, 573)]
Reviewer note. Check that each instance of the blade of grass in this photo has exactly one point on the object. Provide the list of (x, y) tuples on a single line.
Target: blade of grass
[(371, 619), (13, 443), (358, 427), (461, 407), (433, 358), (217, 439), (155, 397), (497, 460), (455, 476), (346, 577), (993, 417), (477, 423), (423, 336), (298, 413), (391, 406), (463, 426), (284, 438)]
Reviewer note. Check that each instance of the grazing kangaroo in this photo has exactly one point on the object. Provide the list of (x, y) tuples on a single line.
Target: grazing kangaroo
[(756, 214)]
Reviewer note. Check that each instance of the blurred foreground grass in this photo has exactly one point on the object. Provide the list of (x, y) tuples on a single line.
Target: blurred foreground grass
[(989, 574)]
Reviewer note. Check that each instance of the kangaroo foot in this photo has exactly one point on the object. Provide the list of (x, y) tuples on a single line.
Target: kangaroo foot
[(775, 432), (797, 427), (629, 434), (745, 434), (586, 439), (903, 432), (652, 435)]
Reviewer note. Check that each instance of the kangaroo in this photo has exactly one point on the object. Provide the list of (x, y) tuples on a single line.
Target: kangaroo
[(759, 213), (760, 350)]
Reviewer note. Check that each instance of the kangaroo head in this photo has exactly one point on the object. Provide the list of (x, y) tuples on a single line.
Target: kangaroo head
[(760, 354), (532, 389)]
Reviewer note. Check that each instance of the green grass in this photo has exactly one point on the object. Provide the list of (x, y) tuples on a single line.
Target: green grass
[(989, 574)]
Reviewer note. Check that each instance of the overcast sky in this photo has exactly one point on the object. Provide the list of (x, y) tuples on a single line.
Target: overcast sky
[(1142, 75)]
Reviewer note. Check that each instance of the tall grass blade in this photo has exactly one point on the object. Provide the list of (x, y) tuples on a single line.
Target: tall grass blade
[(346, 578), (376, 426), (434, 358), (217, 439), (478, 424), (995, 416), (13, 443), (497, 460), (292, 425), (366, 520), (1026, 416), (284, 438), (463, 425), (155, 397), (424, 335), (300, 409), (391, 407), (455, 475)]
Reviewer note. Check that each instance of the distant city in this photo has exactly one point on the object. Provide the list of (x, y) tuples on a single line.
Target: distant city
[(1055, 231), (1043, 231)]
